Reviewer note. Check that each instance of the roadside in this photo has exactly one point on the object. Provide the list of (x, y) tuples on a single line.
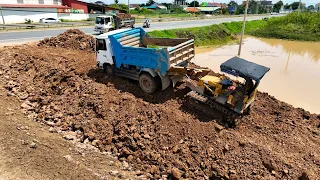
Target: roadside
[(29, 151), (68, 25)]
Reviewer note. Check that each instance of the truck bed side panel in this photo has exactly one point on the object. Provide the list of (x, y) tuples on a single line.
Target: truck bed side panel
[(127, 52)]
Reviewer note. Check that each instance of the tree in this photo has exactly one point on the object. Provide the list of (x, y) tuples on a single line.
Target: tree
[(233, 4), (311, 7), (253, 7), (167, 5), (150, 2), (116, 2), (295, 5), (287, 6), (120, 6), (194, 4), (277, 6), (240, 10)]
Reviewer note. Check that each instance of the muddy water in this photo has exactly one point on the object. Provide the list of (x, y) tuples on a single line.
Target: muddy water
[(295, 68)]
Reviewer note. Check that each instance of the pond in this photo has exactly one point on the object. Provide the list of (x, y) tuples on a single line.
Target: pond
[(295, 67)]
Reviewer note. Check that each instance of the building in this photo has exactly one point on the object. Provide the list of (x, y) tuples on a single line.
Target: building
[(208, 10), (133, 6), (210, 4), (156, 6), (77, 6), (32, 2), (111, 10), (317, 7), (18, 11), (267, 5), (180, 2), (192, 10)]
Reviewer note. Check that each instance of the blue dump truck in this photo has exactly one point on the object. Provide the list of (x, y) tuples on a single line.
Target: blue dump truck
[(159, 62), (154, 62)]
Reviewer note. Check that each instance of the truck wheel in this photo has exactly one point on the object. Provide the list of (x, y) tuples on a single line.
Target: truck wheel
[(108, 69), (148, 84)]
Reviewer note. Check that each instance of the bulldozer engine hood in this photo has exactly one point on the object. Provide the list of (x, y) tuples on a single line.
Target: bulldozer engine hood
[(239, 67)]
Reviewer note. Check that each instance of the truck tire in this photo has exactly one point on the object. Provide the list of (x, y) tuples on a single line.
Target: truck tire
[(148, 83), (108, 69)]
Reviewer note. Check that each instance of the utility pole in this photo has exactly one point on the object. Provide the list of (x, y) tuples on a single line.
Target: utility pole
[(243, 26), (213, 7), (2, 15), (129, 5), (299, 7)]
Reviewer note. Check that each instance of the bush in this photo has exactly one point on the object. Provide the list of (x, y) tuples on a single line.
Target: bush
[(27, 21), (90, 19)]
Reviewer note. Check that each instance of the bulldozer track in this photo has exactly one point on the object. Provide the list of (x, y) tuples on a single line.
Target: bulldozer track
[(207, 106)]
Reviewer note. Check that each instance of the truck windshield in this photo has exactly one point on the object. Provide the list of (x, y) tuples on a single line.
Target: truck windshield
[(99, 20), (101, 45)]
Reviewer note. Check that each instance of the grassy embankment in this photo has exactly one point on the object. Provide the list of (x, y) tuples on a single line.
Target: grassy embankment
[(303, 27), (203, 36)]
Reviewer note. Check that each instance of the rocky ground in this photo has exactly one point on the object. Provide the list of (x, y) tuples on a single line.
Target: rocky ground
[(31, 150), (60, 86)]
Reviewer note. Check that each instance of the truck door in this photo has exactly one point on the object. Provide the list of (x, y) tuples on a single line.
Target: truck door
[(101, 51)]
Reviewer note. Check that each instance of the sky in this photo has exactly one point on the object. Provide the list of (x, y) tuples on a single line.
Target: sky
[(308, 2)]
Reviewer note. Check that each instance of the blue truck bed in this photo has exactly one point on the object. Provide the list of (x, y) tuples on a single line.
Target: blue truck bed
[(131, 48)]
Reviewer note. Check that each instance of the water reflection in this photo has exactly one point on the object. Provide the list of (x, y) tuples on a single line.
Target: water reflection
[(296, 47), (295, 68)]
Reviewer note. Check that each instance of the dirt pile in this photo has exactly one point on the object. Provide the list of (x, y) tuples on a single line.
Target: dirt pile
[(73, 39), (158, 134)]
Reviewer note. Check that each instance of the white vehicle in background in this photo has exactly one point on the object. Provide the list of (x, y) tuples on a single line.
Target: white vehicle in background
[(105, 24), (273, 13), (49, 20)]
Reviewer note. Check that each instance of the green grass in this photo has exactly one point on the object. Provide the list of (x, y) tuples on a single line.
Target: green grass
[(203, 36), (304, 26), (295, 26)]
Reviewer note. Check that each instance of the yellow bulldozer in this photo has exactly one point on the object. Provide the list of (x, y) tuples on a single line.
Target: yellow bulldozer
[(231, 98)]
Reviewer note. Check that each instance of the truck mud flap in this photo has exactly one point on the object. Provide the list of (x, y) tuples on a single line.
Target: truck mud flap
[(165, 82)]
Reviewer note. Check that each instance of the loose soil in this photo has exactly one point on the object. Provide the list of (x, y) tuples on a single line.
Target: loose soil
[(29, 151), (156, 133)]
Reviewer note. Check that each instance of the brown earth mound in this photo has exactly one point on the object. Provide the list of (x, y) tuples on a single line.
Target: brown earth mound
[(73, 39), (158, 134)]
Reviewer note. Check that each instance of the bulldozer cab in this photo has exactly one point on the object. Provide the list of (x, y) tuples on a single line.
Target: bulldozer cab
[(248, 70)]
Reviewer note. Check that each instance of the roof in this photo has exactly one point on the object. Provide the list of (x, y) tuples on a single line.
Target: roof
[(33, 6), (208, 9), (111, 8), (240, 67), (155, 6), (266, 2), (192, 9), (134, 5), (209, 4)]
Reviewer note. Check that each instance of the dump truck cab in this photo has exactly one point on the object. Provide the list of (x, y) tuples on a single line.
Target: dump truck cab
[(108, 23), (234, 95), (103, 24)]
